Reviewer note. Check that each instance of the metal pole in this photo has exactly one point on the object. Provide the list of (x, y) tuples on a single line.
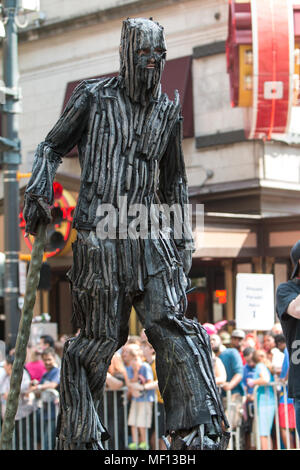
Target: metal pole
[(22, 339), (11, 159)]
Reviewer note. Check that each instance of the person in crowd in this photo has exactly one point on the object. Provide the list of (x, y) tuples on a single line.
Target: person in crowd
[(26, 407), (35, 366), (47, 390), (225, 338), (237, 338), (266, 403), (126, 353), (134, 339), (234, 372), (274, 355), (45, 342), (248, 369), (221, 326), (140, 413), (215, 338), (288, 311), (210, 328), (248, 373), (59, 348), (64, 337), (158, 410), (251, 341), (280, 342), (286, 410), (219, 370), (276, 329), (116, 379)]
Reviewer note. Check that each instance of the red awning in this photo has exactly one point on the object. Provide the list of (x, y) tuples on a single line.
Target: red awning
[(177, 75)]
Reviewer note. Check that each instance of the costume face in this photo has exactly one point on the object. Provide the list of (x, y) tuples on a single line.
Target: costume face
[(142, 54)]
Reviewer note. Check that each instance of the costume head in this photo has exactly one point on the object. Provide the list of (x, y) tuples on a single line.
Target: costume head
[(142, 57)]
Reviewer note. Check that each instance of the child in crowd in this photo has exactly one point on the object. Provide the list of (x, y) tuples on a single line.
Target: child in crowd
[(266, 403), (35, 366), (140, 413)]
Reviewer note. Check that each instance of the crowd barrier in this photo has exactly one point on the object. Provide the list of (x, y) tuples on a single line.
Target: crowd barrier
[(280, 437), (37, 431)]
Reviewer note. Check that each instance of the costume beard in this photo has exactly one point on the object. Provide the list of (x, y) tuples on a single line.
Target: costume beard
[(141, 81)]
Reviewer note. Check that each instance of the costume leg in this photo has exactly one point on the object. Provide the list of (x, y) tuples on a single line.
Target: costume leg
[(101, 309), (183, 356)]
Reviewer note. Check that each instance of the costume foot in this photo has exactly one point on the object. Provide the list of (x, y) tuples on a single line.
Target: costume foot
[(198, 440), (64, 445)]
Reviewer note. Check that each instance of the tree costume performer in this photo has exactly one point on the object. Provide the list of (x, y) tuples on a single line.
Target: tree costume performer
[(129, 143)]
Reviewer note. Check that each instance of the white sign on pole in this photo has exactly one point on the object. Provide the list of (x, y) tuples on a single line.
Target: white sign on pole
[(22, 277), (30, 5), (254, 301)]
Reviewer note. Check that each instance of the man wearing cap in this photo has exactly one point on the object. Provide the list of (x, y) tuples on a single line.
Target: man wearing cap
[(237, 338), (288, 311), (234, 371), (225, 337)]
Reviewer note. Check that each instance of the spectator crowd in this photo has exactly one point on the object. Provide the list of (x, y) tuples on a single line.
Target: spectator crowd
[(254, 384), (245, 364)]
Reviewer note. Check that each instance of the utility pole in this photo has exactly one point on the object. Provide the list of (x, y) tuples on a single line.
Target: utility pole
[(11, 159)]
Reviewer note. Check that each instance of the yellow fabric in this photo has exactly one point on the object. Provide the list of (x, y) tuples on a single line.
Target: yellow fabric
[(159, 397)]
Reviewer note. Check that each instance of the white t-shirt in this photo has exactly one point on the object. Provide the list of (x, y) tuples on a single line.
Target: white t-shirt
[(26, 403), (277, 359)]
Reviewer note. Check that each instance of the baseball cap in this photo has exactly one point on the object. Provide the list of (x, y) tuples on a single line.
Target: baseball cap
[(238, 334), (225, 337), (295, 256)]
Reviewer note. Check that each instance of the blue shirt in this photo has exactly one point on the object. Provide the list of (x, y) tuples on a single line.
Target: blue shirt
[(283, 374), (233, 364), (52, 375), (265, 393), (248, 374), (145, 374)]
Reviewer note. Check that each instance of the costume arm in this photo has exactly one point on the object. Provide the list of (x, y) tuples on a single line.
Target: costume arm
[(173, 191), (60, 140)]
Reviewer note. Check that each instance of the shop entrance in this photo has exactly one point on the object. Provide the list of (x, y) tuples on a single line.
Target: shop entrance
[(207, 302)]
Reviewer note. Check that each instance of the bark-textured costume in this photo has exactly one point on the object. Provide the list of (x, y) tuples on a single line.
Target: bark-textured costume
[(129, 142)]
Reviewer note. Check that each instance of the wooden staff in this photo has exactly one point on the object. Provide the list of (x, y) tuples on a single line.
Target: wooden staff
[(32, 282)]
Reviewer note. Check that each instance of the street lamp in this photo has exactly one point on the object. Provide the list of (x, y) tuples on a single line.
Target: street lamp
[(11, 157)]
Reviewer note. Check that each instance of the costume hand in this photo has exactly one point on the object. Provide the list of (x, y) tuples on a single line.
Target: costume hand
[(36, 211)]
